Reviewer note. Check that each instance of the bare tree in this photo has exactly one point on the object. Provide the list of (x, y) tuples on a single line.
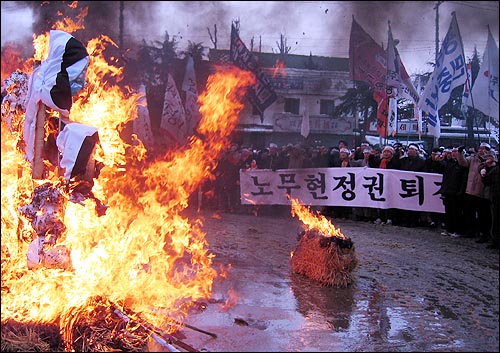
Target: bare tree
[(213, 38), (282, 46)]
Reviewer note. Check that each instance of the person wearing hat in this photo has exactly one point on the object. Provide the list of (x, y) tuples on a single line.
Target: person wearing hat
[(452, 192), (388, 160), (366, 214), (477, 213), (345, 161), (414, 163), (489, 174), (358, 154)]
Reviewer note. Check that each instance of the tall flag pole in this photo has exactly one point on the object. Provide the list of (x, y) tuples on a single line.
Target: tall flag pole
[(417, 112), (262, 94), (484, 92), (449, 73), (367, 63), (392, 80)]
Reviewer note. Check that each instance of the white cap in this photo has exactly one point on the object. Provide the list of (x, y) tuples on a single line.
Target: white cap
[(485, 144)]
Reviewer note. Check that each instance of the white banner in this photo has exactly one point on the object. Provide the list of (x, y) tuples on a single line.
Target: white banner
[(356, 187)]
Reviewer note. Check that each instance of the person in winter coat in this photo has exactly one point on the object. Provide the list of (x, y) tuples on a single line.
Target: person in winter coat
[(414, 163), (477, 206), (452, 193), (489, 173), (388, 160)]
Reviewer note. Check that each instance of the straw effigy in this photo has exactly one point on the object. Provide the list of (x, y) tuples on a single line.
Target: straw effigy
[(328, 260)]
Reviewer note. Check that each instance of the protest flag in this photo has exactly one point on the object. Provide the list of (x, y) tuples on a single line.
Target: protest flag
[(261, 95), (449, 72), (367, 63), (484, 92), (192, 107), (173, 118)]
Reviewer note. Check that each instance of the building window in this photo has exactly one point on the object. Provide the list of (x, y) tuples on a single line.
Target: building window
[(326, 106), (292, 105)]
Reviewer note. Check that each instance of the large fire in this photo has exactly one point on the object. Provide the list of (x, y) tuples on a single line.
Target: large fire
[(315, 220), (143, 253)]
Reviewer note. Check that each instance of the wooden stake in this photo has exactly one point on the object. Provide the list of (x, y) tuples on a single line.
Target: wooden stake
[(37, 168)]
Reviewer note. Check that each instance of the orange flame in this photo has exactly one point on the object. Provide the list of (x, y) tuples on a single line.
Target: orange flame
[(279, 68), (142, 252), (231, 300), (315, 220)]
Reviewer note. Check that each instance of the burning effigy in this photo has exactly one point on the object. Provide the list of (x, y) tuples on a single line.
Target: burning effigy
[(323, 253), (95, 244)]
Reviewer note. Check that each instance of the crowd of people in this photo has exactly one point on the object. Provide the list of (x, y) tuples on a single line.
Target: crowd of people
[(469, 187)]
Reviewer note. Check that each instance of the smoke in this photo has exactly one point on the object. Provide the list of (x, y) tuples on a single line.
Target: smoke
[(16, 23), (319, 28)]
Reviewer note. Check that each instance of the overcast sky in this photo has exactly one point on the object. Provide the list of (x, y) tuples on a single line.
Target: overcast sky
[(318, 27)]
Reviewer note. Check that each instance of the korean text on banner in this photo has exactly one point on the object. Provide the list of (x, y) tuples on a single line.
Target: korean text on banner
[(353, 187), (449, 73)]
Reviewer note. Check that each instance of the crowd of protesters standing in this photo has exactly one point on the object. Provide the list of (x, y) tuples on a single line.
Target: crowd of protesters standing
[(469, 187)]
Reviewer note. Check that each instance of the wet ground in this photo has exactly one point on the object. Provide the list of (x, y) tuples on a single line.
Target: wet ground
[(414, 290)]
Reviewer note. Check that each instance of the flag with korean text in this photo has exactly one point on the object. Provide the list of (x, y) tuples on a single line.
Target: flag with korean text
[(192, 107), (367, 63), (261, 95), (393, 116), (382, 122), (484, 92), (449, 72), (173, 118)]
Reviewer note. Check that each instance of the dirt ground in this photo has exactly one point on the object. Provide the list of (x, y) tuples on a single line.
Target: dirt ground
[(414, 290)]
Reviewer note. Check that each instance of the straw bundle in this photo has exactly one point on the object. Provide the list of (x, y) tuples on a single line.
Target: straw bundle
[(328, 260), (30, 337), (94, 328)]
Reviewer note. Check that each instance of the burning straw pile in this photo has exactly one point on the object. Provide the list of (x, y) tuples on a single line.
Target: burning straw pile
[(97, 326), (323, 252), (328, 260)]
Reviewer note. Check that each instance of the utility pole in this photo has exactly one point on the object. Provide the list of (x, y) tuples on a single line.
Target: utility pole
[(436, 139), (437, 28)]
